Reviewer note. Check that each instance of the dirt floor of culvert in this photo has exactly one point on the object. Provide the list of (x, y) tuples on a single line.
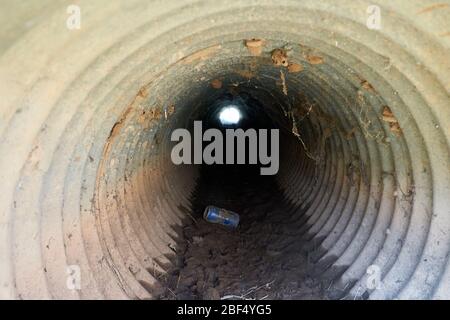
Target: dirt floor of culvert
[(261, 259)]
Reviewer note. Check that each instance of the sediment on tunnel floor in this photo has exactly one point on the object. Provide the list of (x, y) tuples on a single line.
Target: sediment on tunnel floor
[(258, 260), (87, 180)]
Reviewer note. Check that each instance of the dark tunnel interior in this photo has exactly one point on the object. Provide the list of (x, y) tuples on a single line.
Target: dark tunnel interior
[(262, 257), (307, 232)]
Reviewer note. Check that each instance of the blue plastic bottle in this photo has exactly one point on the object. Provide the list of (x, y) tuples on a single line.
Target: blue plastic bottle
[(221, 216)]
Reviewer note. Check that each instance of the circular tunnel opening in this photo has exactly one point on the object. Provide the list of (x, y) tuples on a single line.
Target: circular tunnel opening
[(307, 231), (313, 230)]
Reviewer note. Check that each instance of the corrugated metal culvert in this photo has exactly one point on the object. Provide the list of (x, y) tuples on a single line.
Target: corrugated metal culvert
[(87, 108)]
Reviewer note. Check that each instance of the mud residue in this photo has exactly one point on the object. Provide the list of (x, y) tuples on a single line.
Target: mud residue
[(216, 84), (367, 86), (433, 7), (314, 60), (146, 116), (389, 117), (295, 67), (280, 58), (254, 46), (143, 92)]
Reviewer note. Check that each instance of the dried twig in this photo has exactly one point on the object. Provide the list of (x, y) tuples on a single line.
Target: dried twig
[(232, 296), (283, 82), (249, 291)]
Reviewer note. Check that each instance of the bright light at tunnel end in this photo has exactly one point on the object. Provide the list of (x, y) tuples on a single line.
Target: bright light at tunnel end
[(230, 115)]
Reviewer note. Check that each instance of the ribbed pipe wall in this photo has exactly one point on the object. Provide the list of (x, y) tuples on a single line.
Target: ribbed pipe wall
[(86, 117)]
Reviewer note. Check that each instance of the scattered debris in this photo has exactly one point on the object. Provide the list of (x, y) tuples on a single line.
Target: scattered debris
[(283, 82), (171, 109), (245, 296), (234, 265), (299, 137), (143, 92), (147, 115), (395, 128), (254, 46), (295, 131), (118, 125), (234, 297), (155, 113), (312, 59), (295, 67), (168, 111), (389, 117), (366, 85), (279, 57), (365, 120), (216, 84)]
